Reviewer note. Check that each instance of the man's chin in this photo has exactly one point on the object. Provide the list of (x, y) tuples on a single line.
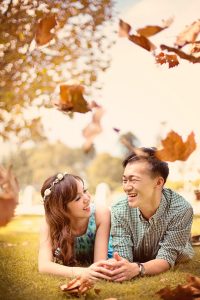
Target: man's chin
[(132, 202)]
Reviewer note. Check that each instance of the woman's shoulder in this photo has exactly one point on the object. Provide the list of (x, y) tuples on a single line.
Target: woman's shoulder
[(102, 213)]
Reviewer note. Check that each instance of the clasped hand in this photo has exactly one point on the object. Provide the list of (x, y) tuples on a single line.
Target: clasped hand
[(115, 269)]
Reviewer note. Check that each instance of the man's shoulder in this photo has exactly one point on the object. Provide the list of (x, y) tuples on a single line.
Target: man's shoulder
[(121, 205), (175, 200)]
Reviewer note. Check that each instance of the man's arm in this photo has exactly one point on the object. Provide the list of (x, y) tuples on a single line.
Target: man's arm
[(121, 236)]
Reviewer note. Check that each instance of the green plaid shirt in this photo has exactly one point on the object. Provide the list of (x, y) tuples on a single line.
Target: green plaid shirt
[(166, 235)]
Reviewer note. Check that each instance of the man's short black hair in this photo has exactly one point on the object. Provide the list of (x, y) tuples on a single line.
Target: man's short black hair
[(158, 167)]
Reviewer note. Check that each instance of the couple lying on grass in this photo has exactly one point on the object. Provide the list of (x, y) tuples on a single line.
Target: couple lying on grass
[(150, 227)]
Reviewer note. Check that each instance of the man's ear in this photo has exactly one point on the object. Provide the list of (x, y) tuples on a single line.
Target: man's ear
[(160, 182)]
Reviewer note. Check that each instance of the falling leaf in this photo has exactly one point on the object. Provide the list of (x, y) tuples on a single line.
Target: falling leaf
[(9, 191), (77, 287), (189, 35), (93, 128), (195, 48), (151, 30), (43, 33), (124, 29), (174, 147), (163, 58), (116, 129), (188, 291), (72, 100), (181, 54), (142, 41)]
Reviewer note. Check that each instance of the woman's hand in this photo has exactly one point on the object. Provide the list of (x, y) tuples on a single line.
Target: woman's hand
[(96, 271)]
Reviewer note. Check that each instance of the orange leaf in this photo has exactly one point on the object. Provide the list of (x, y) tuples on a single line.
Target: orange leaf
[(195, 48), (43, 34), (172, 60), (93, 128), (72, 100), (163, 58), (142, 41), (188, 291), (189, 35), (9, 191), (124, 28), (77, 287), (175, 149), (151, 30), (181, 54)]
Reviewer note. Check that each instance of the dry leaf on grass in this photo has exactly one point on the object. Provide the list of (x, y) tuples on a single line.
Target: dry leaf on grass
[(188, 291), (9, 192), (77, 287), (175, 149), (43, 33)]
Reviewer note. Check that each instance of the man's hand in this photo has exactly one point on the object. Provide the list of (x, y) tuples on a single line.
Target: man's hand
[(121, 269)]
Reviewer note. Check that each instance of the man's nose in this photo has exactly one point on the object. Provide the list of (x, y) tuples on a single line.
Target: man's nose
[(128, 186)]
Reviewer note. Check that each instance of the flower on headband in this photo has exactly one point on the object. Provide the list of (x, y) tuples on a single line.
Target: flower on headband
[(60, 176), (47, 192)]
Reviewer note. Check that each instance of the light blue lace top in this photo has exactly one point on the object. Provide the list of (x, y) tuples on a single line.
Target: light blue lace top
[(84, 244)]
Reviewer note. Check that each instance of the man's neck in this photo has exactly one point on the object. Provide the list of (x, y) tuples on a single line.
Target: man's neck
[(151, 205)]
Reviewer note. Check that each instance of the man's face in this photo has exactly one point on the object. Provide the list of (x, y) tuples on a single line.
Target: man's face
[(138, 183)]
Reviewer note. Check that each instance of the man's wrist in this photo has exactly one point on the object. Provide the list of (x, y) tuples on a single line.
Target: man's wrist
[(141, 269)]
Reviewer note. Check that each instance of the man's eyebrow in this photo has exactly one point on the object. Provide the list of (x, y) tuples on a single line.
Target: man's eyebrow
[(130, 176)]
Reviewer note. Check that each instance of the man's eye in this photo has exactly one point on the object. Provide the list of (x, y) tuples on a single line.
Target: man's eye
[(124, 181)]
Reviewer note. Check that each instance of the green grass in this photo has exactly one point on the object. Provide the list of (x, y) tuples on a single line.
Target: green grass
[(20, 280)]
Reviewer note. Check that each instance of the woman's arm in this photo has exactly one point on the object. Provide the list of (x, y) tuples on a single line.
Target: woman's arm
[(46, 264), (102, 216)]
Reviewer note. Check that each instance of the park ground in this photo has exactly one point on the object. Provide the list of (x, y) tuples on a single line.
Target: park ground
[(20, 280)]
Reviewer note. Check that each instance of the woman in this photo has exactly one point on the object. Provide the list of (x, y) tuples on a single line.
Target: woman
[(73, 232)]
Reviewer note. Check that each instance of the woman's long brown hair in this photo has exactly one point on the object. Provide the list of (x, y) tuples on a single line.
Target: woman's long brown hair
[(55, 206)]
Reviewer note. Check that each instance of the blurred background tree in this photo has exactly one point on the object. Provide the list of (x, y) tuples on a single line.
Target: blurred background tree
[(105, 168), (31, 74)]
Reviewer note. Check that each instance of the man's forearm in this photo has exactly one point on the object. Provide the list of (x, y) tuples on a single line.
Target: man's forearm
[(156, 266)]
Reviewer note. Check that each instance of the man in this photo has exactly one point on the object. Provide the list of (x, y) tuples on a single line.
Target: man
[(151, 226)]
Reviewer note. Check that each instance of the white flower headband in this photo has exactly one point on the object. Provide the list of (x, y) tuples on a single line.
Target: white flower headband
[(59, 177)]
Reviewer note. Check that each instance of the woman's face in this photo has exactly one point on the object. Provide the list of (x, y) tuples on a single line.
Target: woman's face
[(80, 206)]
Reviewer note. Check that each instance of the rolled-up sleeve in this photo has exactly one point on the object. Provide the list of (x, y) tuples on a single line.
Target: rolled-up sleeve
[(175, 242), (121, 236)]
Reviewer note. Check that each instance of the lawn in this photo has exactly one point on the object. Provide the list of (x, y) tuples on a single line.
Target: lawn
[(20, 280)]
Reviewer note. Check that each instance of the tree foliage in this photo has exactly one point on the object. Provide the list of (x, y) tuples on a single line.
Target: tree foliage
[(105, 168), (30, 73)]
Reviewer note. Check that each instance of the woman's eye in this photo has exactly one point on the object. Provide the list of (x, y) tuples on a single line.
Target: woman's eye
[(78, 198), (85, 191)]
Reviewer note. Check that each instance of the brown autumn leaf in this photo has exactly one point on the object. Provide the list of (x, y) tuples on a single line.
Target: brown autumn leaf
[(181, 54), (188, 291), (72, 100), (163, 58), (43, 33), (93, 128), (77, 286), (195, 47), (9, 191), (189, 34), (150, 30), (175, 149), (124, 29), (142, 41)]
